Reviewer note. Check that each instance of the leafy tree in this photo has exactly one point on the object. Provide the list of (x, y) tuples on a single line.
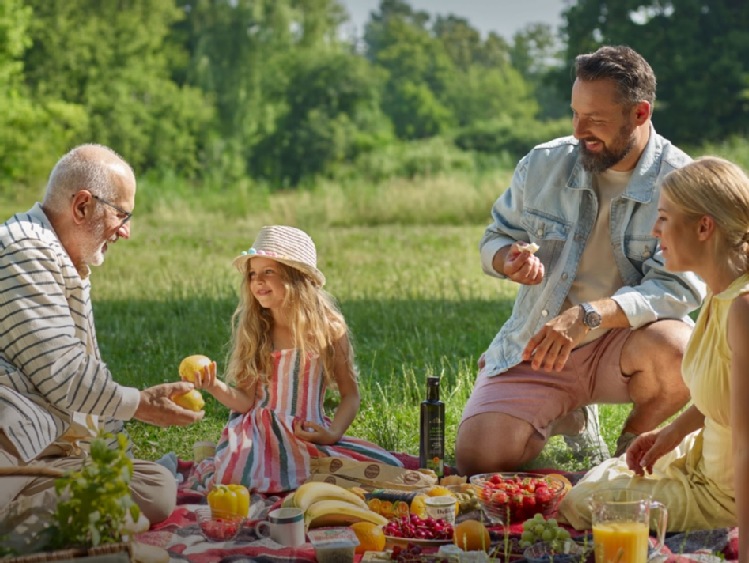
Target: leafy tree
[(536, 53), (699, 50), (31, 134), (111, 59), (332, 115), (483, 94)]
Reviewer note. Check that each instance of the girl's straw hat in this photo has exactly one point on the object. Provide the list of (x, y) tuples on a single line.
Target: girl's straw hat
[(287, 245)]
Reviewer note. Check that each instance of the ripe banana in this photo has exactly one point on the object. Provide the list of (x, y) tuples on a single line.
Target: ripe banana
[(315, 491), (339, 513)]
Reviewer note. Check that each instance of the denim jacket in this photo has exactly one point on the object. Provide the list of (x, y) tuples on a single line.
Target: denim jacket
[(551, 202)]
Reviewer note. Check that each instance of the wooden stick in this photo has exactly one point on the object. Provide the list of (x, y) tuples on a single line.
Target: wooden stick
[(31, 471)]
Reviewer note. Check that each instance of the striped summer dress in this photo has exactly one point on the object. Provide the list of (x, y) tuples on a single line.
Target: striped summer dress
[(259, 449)]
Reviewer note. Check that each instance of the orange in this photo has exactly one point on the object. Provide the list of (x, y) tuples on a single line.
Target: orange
[(190, 365), (371, 537), (192, 400), (471, 535)]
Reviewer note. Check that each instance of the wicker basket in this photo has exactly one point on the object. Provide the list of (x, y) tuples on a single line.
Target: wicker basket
[(108, 553)]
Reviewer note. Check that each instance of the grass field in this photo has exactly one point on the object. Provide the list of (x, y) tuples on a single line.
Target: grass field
[(401, 259)]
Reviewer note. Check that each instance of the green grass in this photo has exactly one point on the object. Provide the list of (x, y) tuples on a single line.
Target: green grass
[(402, 261)]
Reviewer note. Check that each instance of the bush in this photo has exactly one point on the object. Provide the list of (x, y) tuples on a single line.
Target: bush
[(508, 137), (414, 159)]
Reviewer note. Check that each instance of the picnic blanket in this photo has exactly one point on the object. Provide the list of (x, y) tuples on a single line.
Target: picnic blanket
[(180, 534)]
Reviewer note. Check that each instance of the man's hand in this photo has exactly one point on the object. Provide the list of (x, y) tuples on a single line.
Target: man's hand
[(157, 407), (550, 347), (520, 264)]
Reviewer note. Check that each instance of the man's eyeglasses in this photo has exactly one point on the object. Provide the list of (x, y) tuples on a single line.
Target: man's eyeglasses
[(127, 214)]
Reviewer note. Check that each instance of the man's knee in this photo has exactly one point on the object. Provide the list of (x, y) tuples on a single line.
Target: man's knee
[(495, 442), (658, 344), (154, 490)]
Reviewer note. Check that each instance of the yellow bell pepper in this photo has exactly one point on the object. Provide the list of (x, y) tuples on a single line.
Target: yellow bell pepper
[(229, 500)]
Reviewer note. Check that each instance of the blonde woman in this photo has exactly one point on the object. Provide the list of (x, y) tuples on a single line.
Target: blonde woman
[(289, 343), (698, 465)]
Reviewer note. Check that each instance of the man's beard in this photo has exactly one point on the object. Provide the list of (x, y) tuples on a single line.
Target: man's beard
[(94, 256), (609, 156)]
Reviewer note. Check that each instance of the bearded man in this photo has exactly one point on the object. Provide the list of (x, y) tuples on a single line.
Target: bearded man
[(597, 318)]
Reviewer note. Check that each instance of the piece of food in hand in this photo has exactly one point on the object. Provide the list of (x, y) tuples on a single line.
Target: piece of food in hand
[(192, 364), (192, 400), (530, 247)]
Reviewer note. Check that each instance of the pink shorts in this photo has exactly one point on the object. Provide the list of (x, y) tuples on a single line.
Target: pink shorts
[(592, 375)]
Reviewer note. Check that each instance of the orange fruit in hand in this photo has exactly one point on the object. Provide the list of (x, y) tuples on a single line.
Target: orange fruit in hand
[(471, 535), (192, 400), (371, 537), (191, 364)]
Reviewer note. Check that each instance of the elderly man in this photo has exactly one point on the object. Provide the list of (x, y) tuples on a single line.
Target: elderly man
[(55, 390)]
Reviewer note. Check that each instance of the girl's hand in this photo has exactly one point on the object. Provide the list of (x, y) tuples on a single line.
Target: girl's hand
[(206, 378), (315, 433)]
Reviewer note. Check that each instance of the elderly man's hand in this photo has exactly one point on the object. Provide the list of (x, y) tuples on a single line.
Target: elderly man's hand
[(157, 407)]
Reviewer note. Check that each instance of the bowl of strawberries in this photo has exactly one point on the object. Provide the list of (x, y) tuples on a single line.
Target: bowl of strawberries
[(511, 498)]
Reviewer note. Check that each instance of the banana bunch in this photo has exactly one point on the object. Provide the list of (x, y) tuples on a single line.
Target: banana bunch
[(325, 504)]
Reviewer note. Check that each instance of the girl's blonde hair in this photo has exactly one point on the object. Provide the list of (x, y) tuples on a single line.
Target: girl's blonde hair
[(316, 323), (717, 187)]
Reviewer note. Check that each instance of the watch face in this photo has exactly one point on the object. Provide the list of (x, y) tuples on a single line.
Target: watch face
[(591, 317)]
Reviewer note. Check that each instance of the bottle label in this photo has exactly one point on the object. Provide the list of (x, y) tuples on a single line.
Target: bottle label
[(435, 445)]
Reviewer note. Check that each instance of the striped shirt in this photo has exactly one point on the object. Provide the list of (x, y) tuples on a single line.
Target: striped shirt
[(50, 366)]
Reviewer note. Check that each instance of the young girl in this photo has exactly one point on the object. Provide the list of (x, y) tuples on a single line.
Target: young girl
[(289, 342)]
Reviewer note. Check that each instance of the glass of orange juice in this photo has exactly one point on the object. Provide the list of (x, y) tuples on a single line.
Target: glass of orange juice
[(621, 525)]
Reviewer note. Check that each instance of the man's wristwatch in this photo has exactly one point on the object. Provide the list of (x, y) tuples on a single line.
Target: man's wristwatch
[(591, 317)]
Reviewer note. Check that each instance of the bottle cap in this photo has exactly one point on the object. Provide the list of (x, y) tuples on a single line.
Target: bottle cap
[(433, 380)]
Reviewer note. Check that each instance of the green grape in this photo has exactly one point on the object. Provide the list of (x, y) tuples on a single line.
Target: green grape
[(528, 536), (548, 535), (538, 516)]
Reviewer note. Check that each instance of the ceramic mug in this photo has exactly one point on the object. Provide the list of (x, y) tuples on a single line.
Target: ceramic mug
[(441, 507), (284, 526), (621, 525)]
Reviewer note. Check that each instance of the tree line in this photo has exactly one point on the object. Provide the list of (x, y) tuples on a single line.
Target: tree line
[(283, 92)]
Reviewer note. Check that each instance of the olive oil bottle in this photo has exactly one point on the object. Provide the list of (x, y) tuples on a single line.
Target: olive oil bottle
[(432, 429)]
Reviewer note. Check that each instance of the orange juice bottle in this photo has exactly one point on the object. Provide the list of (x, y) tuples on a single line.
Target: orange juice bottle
[(621, 542)]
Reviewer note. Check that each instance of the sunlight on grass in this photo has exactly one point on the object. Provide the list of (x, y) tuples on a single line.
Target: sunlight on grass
[(401, 258)]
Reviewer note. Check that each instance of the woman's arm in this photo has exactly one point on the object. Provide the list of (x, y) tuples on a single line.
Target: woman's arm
[(238, 400), (738, 337), (343, 372)]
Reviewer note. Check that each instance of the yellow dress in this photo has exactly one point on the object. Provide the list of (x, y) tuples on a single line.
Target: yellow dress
[(694, 481)]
